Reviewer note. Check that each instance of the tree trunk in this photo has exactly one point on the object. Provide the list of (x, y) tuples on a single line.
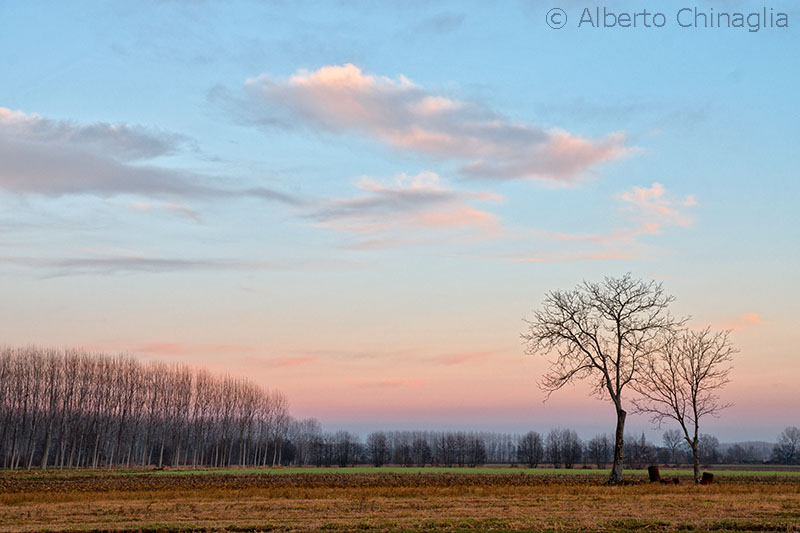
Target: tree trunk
[(696, 456), (46, 451), (177, 459), (619, 442)]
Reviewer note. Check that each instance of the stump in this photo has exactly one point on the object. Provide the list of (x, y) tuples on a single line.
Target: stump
[(676, 480), (707, 479), (655, 476)]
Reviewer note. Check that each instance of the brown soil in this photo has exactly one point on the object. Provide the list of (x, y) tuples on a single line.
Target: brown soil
[(390, 502)]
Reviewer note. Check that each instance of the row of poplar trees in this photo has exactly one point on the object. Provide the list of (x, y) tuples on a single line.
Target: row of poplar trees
[(71, 408)]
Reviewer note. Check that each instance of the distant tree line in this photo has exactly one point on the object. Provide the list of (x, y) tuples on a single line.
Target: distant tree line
[(71, 408), (309, 445), (558, 448), (405, 448)]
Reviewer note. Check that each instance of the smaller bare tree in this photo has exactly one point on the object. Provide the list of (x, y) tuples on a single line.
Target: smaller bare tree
[(680, 382)]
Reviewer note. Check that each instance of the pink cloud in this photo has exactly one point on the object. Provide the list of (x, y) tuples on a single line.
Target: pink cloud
[(651, 209), (171, 348), (392, 214), (657, 207), (460, 216), (742, 322), (172, 207), (745, 321), (404, 115), (279, 362), (389, 383), (465, 357), (568, 258), (752, 319), (620, 236)]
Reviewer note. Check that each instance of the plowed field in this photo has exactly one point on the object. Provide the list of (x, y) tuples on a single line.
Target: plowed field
[(391, 501)]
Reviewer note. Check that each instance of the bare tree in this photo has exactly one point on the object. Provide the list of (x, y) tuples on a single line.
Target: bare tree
[(378, 448), (602, 332), (345, 448), (53, 367), (303, 434), (787, 450), (553, 448), (530, 449), (681, 381), (672, 442), (420, 451), (571, 448), (476, 450), (709, 449), (638, 452), (599, 450)]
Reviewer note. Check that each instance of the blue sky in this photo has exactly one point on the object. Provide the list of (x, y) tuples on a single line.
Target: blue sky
[(357, 202)]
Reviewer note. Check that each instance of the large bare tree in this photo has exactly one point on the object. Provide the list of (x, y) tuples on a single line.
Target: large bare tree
[(603, 332), (681, 381)]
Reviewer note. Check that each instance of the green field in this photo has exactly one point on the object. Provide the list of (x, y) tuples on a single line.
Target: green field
[(772, 471), (683, 473)]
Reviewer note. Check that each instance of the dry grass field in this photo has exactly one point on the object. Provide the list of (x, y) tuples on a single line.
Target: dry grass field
[(367, 499)]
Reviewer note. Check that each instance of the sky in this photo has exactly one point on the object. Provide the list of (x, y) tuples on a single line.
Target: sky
[(357, 203)]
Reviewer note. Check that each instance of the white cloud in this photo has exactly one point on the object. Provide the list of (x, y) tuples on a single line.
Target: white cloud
[(401, 114), (55, 158), (122, 142)]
